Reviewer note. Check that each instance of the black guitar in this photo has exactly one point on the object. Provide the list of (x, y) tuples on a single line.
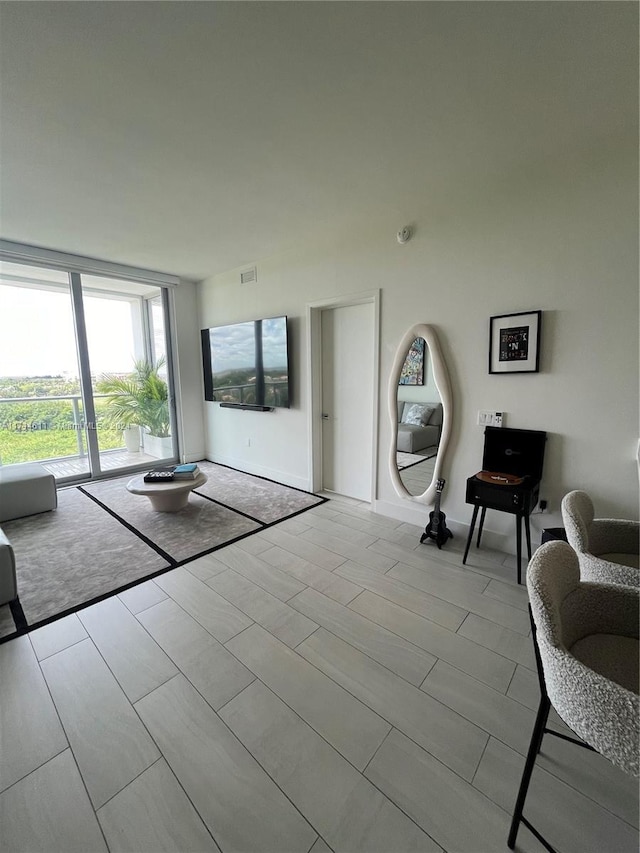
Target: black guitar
[(437, 528)]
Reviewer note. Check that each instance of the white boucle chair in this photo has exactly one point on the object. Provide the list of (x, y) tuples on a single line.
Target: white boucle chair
[(608, 549), (586, 646)]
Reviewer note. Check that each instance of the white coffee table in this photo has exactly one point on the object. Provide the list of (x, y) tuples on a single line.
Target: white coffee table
[(166, 497)]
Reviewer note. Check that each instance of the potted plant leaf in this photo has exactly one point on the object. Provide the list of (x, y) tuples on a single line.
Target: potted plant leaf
[(140, 400)]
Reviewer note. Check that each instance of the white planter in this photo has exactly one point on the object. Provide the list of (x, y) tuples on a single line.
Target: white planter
[(161, 448), (131, 437)]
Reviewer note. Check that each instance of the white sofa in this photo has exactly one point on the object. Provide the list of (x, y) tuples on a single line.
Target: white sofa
[(25, 489), (8, 584), (419, 425)]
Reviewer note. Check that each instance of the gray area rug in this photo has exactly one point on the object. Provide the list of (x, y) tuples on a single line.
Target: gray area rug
[(200, 526), (407, 460), (101, 538), (74, 554), (261, 499)]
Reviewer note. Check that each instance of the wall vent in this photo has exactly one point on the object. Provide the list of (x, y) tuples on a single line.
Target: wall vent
[(249, 276)]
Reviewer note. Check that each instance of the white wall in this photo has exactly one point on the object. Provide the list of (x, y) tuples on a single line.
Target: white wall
[(270, 444), (561, 238), (187, 360)]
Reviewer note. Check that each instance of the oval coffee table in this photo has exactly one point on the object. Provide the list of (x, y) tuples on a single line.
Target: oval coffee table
[(166, 497)]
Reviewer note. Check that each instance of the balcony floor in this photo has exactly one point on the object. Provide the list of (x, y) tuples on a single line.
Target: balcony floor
[(110, 460)]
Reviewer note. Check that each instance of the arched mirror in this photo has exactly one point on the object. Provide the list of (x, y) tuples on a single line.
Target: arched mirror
[(420, 409)]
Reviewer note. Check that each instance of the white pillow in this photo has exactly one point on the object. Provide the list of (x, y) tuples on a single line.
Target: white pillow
[(417, 414)]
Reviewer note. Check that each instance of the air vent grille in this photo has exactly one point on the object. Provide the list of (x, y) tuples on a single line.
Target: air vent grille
[(249, 276)]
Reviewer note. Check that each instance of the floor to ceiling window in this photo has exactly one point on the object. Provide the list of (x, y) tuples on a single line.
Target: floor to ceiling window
[(85, 384)]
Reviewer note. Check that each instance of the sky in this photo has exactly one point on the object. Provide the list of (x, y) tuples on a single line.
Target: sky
[(233, 346), (38, 335)]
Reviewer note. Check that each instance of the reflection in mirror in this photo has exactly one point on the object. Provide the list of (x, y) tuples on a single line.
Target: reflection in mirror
[(419, 420), (420, 411)]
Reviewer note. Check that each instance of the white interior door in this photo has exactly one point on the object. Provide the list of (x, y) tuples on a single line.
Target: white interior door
[(348, 349)]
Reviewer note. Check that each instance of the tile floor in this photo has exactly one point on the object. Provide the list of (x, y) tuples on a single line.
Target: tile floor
[(326, 684)]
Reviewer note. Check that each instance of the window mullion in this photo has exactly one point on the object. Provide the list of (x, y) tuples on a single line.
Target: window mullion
[(85, 372)]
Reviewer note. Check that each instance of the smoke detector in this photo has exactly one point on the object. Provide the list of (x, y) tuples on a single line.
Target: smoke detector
[(404, 234)]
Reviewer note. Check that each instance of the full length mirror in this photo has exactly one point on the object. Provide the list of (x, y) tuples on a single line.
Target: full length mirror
[(420, 408)]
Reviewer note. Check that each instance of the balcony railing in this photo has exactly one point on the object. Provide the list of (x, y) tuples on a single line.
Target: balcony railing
[(77, 425), (47, 438)]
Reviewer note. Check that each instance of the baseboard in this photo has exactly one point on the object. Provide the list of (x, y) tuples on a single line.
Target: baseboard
[(261, 471), (191, 457), (409, 512), (418, 514)]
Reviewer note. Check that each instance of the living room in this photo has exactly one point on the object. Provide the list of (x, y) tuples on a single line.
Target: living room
[(503, 135)]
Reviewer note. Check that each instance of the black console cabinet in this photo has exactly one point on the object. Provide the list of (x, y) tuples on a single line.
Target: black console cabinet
[(515, 452)]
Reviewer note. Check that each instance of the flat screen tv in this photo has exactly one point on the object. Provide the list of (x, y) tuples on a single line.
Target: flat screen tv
[(247, 364)]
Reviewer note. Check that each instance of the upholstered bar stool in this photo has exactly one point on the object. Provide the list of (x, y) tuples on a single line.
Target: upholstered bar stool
[(608, 549), (586, 646)]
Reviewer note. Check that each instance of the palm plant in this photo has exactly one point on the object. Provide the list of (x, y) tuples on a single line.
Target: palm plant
[(139, 399)]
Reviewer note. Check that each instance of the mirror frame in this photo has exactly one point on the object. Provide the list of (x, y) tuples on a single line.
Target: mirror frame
[(443, 384)]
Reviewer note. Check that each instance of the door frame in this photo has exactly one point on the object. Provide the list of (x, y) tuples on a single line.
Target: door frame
[(314, 381)]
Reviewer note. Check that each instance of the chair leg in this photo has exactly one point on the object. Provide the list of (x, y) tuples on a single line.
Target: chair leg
[(534, 747), (539, 731)]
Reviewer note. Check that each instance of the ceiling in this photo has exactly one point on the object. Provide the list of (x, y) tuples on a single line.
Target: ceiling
[(196, 137)]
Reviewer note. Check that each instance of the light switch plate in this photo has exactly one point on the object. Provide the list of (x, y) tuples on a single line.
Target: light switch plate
[(486, 418)]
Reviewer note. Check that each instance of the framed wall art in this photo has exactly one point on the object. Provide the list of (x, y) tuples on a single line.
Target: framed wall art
[(413, 369), (514, 342)]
